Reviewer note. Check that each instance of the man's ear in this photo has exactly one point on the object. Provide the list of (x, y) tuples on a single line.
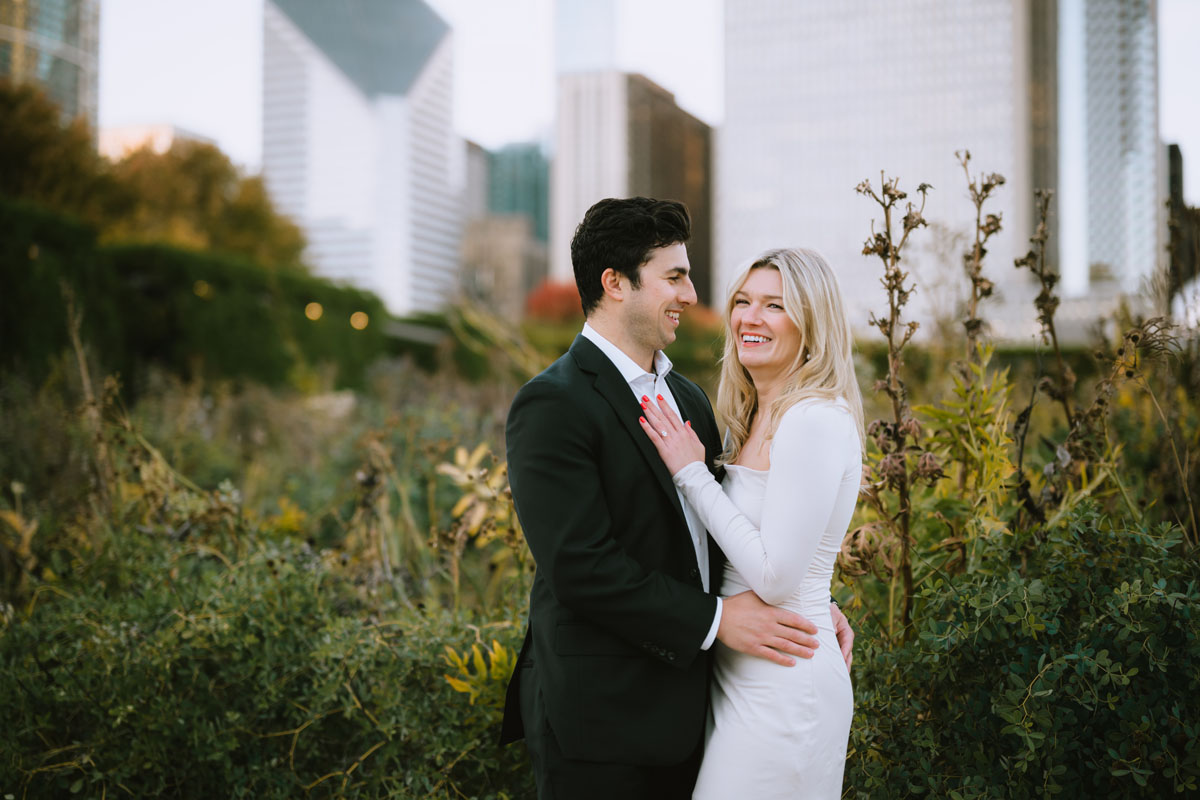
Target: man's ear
[(614, 284)]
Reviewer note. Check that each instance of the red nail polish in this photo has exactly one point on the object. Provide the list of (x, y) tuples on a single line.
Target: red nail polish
[(645, 399), (642, 420), (688, 423), (660, 399), (644, 406)]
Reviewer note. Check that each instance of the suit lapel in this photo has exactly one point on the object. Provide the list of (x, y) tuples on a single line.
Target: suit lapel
[(609, 383)]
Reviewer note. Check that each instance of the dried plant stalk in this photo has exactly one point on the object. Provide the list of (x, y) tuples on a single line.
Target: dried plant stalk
[(898, 439), (986, 226)]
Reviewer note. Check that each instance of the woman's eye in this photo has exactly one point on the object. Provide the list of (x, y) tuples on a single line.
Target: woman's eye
[(740, 302)]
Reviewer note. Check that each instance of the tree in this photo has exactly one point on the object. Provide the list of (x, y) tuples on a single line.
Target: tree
[(192, 195), (44, 161)]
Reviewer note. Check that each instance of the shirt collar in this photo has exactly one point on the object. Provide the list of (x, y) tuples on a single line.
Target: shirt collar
[(630, 370)]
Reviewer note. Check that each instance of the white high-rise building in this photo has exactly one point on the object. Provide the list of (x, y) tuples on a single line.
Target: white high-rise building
[(1110, 150), (820, 96), (358, 143)]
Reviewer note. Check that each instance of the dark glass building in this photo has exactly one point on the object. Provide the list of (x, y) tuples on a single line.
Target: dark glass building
[(53, 43)]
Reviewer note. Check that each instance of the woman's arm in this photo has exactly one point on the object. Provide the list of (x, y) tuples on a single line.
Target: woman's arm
[(808, 459)]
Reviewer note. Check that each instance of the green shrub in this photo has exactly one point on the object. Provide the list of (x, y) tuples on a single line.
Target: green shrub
[(177, 669), (39, 250), (1076, 673), (200, 314)]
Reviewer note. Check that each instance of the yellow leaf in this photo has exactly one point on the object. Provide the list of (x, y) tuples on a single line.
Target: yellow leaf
[(462, 505), (477, 455), (475, 521), (458, 684), (480, 664), (452, 471), (455, 660)]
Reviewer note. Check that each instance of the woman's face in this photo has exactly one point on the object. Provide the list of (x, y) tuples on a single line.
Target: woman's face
[(767, 340)]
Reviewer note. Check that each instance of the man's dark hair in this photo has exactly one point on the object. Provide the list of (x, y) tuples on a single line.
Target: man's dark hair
[(620, 233)]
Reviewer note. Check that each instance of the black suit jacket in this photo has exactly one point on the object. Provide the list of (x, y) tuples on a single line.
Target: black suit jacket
[(617, 610)]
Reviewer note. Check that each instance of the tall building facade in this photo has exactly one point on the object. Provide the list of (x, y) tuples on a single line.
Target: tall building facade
[(519, 183), (820, 96), (619, 135), (1108, 90), (358, 143), (503, 249), (55, 44), (1184, 232)]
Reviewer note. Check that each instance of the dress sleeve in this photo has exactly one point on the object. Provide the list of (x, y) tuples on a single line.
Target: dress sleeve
[(808, 459)]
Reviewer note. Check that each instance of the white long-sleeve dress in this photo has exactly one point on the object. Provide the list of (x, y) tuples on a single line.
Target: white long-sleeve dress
[(775, 731)]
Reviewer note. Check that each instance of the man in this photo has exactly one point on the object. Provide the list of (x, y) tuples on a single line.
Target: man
[(611, 686)]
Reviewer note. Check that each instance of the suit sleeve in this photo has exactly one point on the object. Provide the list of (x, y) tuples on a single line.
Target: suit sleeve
[(807, 463), (553, 465)]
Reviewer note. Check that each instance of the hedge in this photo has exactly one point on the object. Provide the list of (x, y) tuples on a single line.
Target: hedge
[(201, 314), (173, 669), (1076, 673)]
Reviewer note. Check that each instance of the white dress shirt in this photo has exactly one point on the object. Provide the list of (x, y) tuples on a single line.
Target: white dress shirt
[(652, 384)]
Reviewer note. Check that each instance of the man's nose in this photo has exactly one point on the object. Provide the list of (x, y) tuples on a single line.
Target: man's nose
[(689, 296)]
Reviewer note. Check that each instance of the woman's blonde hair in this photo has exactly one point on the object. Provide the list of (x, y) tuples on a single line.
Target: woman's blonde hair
[(824, 363)]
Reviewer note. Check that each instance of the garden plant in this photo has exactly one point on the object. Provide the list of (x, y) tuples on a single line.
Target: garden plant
[(314, 587)]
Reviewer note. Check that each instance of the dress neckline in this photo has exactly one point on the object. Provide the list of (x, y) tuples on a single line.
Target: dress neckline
[(749, 469)]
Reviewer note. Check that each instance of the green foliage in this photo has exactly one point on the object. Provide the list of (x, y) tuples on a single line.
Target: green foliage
[(164, 640), (1069, 668), (193, 196), (339, 616), (172, 669), (208, 315), (190, 196), (1026, 585), (43, 160), (38, 251), (218, 317)]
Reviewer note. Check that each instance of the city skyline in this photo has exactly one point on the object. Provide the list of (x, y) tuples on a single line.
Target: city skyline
[(157, 65)]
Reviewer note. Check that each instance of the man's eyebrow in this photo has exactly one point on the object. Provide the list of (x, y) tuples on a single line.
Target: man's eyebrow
[(678, 271)]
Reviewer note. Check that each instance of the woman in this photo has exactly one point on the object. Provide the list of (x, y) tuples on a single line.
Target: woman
[(793, 461)]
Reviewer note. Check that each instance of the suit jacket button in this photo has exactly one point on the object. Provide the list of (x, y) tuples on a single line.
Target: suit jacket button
[(695, 573)]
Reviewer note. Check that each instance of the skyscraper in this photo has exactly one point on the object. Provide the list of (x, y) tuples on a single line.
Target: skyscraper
[(620, 135), (519, 183), (1059, 95), (504, 241), (358, 145), (54, 43), (1110, 150)]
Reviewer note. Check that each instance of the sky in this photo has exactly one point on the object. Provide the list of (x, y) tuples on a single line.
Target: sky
[(198, 65)]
